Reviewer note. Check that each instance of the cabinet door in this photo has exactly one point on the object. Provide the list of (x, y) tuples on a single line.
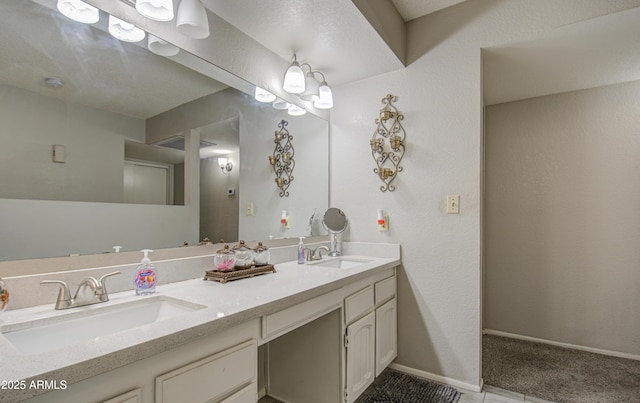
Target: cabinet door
[(360, 345), (386, 335)]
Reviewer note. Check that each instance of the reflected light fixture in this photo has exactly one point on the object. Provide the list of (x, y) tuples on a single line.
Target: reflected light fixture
[(79, 11), (125, 31), (281, 104), (161, 47), (192, 19), (158, 10), (294, 78), (225, 164), (262, 95), (295, 110)]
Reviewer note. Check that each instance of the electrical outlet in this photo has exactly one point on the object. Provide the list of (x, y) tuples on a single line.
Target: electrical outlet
[(453, 204)]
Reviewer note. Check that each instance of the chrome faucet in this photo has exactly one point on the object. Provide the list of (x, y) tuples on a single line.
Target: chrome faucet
[(316, 254), (90, 291)]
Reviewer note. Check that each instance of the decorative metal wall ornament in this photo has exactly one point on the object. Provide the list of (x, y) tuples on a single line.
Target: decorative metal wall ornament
[(282, 159), (388, 154)]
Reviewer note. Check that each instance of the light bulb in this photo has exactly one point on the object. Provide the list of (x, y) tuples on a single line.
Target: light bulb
[(325, 101), (294, 78)]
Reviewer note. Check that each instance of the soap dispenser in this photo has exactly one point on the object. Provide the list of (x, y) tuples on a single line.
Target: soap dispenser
[(146, 276), (301, 251)]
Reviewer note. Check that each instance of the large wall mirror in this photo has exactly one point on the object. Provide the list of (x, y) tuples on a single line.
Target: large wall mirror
[(138, 140)]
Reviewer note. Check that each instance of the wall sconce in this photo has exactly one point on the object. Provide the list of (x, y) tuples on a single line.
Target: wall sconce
[(388, 154), (282, 159), (225, 165)]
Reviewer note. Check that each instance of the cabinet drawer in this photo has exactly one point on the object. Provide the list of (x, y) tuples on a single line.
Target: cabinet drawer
[(288, 319), (385, 289), (357, 304), (211, 378)]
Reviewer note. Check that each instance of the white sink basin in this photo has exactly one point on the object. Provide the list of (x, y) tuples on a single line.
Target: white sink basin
[(80, 324), (340, 262)]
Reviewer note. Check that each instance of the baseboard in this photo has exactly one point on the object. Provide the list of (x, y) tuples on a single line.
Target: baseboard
[(437, 378), (560, 344)]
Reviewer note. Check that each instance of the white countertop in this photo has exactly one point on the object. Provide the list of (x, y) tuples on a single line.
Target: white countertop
[(226, 304)]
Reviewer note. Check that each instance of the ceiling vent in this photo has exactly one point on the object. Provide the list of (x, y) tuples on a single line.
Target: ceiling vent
[(177, 143)]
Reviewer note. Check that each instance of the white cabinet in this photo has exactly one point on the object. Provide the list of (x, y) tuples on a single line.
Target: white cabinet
[(212, 378), (218, 367), (360, 345), (370, 340), (386, 335), (134, 396)]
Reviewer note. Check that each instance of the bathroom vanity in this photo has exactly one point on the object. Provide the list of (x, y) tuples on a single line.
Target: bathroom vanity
[(320, 331)]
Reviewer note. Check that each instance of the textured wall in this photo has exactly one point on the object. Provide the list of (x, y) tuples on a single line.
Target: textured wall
[(440, 95), (563, 218)]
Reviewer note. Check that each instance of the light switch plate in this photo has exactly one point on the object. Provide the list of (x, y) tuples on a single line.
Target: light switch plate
[(453, 204), (249, 209)]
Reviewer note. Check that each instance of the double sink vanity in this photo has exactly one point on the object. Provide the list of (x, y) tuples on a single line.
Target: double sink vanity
[(319, 331)]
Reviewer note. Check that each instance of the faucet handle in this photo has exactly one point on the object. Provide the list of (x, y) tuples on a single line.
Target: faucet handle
[(103, 285), (63, 295)]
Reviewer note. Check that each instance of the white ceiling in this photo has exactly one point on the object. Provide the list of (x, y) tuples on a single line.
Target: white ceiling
[(332, 35), (587, 54), (412, 9), (97, 69)]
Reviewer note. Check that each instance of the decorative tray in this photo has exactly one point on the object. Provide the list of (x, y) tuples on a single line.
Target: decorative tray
[(224, 276)]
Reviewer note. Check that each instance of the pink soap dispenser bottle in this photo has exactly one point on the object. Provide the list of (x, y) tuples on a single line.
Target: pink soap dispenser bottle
[(146, 275)]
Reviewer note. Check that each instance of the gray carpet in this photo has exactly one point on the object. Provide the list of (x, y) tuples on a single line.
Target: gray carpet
[(558, 374), (397, 387)]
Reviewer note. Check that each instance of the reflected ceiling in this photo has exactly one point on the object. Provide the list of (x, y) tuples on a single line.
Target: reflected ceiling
[(85, 57)]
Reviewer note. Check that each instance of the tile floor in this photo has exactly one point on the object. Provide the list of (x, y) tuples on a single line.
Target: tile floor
[(492, 394)]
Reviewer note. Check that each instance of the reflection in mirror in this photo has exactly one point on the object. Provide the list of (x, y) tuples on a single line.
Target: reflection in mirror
[(135, 128)]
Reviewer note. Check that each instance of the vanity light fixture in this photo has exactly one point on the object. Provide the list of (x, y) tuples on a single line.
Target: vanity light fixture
[(262, 95), (125, 31), (192, 19), (225, 165), (306, 86), (79, 11), (161, 47), (158, 10)]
